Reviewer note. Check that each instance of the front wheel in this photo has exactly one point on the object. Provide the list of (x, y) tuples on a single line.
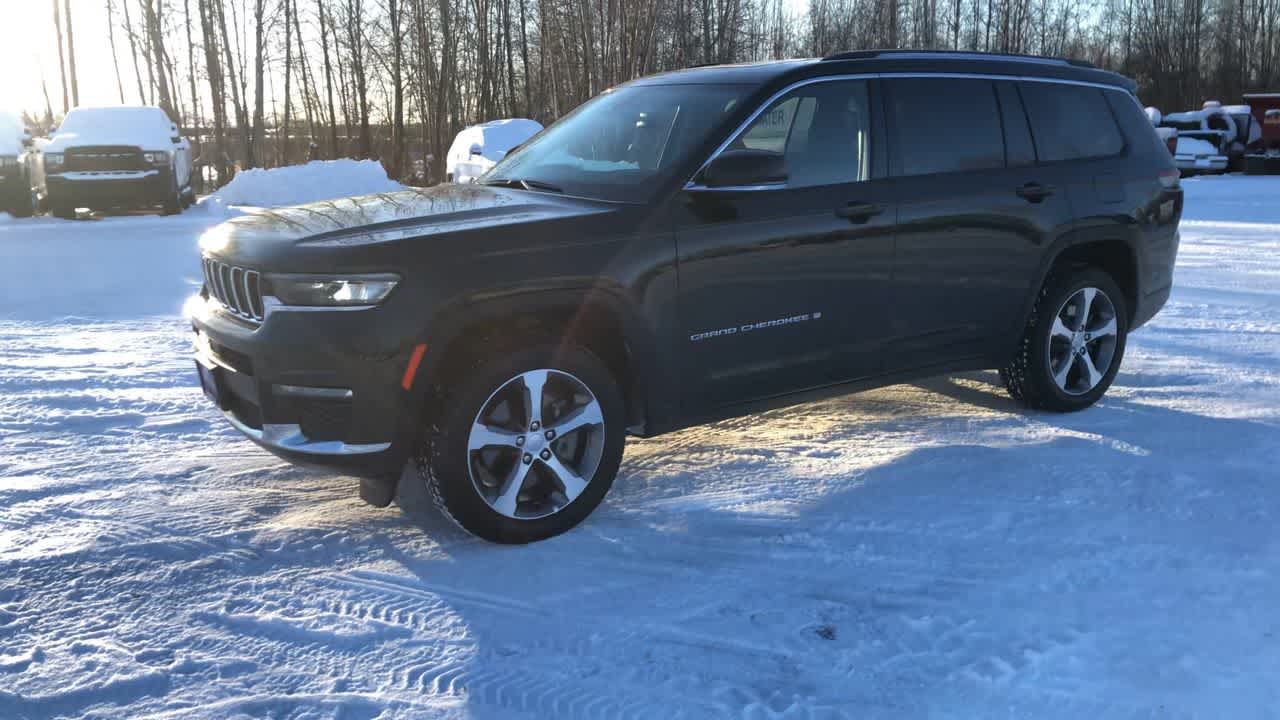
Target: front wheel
[(526, 445), (1073, 343)]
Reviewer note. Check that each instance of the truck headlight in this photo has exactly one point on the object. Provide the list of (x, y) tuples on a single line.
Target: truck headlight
[(331, 291), (53, 159)]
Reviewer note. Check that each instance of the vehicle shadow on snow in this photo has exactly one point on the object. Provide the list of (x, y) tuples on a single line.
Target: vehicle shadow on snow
[(770, 608)]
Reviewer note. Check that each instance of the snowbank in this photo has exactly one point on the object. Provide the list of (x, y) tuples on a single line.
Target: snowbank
[(301, 184)]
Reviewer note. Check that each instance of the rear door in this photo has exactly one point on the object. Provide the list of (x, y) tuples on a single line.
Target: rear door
[(783, 287), (975, 214)]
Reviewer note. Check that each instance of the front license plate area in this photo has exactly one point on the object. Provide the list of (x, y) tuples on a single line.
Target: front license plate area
[(209, 383)]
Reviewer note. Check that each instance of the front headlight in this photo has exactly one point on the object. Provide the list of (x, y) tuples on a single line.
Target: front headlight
[(53, 159), (331, 291)]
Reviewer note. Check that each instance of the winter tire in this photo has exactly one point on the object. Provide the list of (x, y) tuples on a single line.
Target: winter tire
[(1073, 343), (526, 445)]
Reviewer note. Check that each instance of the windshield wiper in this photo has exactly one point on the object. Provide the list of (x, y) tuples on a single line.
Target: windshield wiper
[(523, 184)]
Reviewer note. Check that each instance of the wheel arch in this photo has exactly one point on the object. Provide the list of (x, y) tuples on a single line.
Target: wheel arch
[(599, 317), (1112, 250)]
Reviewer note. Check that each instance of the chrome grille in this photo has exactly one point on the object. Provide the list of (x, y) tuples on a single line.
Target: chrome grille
[(238, 289)]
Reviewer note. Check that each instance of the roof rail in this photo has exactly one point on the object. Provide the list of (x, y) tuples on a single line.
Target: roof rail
[(907, 54)]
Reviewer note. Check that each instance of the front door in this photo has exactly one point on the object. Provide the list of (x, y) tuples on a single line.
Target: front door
[(783, 287)]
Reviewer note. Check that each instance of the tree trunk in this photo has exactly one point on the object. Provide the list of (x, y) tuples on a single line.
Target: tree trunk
[(62, 63), (111, 39), (71, 56)]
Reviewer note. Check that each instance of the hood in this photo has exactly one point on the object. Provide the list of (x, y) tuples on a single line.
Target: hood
[(385, 218)]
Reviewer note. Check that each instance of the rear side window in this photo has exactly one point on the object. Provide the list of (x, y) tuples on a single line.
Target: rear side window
[(945, 124), (1070, 122), (1134, 122)]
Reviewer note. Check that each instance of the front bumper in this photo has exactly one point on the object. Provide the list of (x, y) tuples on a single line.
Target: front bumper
[(310, 387), (103, 190)]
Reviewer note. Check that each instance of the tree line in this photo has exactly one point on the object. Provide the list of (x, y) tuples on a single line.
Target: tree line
[(271, 82)]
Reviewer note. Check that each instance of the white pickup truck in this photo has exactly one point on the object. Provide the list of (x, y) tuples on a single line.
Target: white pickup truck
[(114, 157)]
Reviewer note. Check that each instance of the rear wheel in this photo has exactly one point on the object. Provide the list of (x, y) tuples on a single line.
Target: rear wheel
[(526, 445), (1073, 343), (62, 209)]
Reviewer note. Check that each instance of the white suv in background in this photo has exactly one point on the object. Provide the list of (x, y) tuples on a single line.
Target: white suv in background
[(114, 157)]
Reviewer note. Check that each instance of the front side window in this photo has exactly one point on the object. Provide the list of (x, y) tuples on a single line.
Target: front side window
[(945, 124), (822, 130), (615, 146), (1070, 122)]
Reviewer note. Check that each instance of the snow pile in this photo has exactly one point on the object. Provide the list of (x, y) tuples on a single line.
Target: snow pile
[(302, 184)]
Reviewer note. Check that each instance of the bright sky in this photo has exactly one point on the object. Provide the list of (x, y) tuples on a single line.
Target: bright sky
[(30, 48)]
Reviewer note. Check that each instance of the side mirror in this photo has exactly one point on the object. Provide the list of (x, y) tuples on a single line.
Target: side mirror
[(476, 150), (27, 140), (176, 140), (737, 168)]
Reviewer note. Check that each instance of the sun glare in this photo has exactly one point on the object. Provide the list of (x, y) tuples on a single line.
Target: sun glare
[(29, 53)]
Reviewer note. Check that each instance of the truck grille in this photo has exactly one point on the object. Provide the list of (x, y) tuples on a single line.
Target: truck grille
[(104, 159), (237, 288)]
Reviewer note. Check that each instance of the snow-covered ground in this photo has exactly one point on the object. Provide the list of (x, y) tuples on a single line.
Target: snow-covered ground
[(925, 550)]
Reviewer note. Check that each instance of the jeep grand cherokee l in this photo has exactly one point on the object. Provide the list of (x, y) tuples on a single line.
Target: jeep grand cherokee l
[(114, 157), (693, 246)]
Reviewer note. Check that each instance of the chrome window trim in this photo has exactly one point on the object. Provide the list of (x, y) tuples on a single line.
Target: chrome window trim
[(742, 127)]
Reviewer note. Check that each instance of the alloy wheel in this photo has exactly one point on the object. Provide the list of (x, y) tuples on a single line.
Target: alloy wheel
[(1082, 341), (536, 444)]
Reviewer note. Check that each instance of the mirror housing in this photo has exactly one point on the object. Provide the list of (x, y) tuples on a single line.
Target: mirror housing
[(745, 167), (27, 140), (476, 149)]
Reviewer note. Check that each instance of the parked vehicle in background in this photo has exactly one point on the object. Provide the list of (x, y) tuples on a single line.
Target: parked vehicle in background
[(1167, 135), (1265, 157), (16, 197), (1205, 137), (114, 157), (478, 148), (694, 246)]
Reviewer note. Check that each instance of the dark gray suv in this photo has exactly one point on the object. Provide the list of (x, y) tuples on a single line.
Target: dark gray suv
[(694, 246)]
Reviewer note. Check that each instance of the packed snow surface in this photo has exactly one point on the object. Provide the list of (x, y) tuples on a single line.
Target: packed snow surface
[(301, 184), (924, 550)]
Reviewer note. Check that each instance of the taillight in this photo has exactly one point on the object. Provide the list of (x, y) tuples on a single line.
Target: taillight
[(1170, 179), (1171, 142)]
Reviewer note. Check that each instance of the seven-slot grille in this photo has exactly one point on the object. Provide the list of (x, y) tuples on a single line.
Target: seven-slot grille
[(104, 159), (239, 289)]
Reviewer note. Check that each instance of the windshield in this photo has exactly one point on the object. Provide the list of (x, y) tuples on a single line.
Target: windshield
[(615, 145)]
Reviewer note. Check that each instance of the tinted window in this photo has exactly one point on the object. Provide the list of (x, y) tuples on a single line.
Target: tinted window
[(945, 124), (1070, 121), (1018, 149), (1134, 121), (822, 129)]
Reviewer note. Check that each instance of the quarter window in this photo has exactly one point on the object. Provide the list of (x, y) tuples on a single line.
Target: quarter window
[(945, 124), (1070, 122), (822, 129)]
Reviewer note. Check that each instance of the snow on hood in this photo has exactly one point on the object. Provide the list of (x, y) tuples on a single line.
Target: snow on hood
[(148, 128), (303, 184)]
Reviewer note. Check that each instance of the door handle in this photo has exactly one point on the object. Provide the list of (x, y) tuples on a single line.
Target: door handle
[(859, 212), (1034, 192)]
